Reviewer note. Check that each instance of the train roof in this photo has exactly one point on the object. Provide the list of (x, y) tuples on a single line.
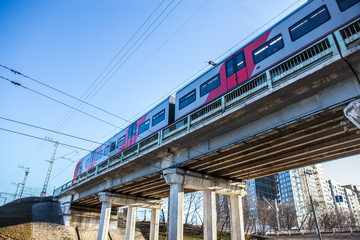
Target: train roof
[(247, 43)]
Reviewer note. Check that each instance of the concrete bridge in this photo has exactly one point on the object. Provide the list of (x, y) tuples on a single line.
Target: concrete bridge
[(288, 117)]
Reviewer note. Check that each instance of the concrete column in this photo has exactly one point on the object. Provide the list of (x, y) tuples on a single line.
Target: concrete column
[(104, 221), (176, 201), (130, 223), (210, 231), (154, 225), (237, 218)]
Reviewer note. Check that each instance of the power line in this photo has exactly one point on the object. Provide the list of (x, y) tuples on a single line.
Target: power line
[(44, 139), (45, 129), (102, 83), (62, 92), (55, 100)]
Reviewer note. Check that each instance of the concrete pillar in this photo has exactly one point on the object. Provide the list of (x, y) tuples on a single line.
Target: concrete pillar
[(154, 225), (104, 221), (130, 223), (176, 201), (210, 231), (237, 218)]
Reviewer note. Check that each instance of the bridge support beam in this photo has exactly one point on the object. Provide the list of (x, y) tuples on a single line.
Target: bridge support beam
[(118, 200), (237, 218), (154, 224), (179, 179), (210, 231), (130, 223), (176, 201), (104, 218)]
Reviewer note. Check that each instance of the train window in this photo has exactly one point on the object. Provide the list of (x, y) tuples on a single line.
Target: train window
[(121, 141), (187, 99), (112, 146), (230, 67), (106, 151), (132, 130), (345, 4), (144, 126), (158, 117), (210, 85), (235, 64), (87, 162), (269, 48), (99, 155), (240, 61), (309, 23)]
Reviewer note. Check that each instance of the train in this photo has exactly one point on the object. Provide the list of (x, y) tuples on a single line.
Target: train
[(312, 21)]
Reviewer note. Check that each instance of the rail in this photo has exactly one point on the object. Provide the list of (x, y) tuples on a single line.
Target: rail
[(281, 72)]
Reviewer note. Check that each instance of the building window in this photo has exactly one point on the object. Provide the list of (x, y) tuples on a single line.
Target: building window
[(210, 85), (189, 98), (346, 4), (309, 23), (160, 116), (267, 49), (144, 126)]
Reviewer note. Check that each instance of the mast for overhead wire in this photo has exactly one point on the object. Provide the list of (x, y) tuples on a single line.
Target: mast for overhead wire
[(24, 181), (51, 162)]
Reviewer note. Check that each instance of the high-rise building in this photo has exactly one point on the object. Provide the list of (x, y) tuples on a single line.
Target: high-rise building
[(258, 190), (345, 199)]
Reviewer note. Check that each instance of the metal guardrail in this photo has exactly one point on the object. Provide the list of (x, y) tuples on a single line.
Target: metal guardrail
[(309, 232), (302, 61)]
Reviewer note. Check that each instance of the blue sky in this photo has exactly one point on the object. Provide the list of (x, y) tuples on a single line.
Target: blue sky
[(69, 44)]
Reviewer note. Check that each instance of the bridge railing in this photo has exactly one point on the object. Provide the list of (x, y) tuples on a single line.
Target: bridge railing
[(309, 57), (306, 232)]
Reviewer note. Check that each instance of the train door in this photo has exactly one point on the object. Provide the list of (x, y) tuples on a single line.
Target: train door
[(132, 136), (236, 71)]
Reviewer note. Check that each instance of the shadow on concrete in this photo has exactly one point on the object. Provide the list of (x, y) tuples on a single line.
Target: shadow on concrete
[(31, 209)]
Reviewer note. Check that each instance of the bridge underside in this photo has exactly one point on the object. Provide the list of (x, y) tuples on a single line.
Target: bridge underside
[(291, 122), (315, 139)]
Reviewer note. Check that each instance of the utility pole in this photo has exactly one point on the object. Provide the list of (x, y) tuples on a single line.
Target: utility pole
[(312, 204), (24, 181), (51, 162), (276, 210)]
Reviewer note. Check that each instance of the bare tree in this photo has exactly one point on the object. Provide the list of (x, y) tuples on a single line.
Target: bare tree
[(287, 216), (193, 203)]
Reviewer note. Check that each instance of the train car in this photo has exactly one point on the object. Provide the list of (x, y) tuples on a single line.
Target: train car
[(157, 118), (312, 21)]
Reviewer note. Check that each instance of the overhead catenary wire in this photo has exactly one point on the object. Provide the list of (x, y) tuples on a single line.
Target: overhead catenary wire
[(70, 115), (45, 129), (62, 92), (44, 139), (104, 81), (55, 100)]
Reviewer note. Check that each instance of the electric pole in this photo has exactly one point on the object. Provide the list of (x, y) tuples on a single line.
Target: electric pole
[(51, 162), (24, 181)]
